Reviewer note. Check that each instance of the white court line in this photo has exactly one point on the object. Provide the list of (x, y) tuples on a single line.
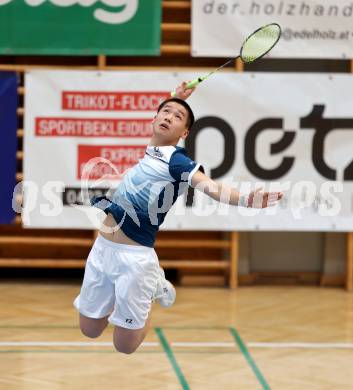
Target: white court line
[(302, 345), (108, 344), (178, 344), (63, 344)]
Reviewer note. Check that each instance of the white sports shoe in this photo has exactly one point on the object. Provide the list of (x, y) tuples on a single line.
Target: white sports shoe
[(165, 292)]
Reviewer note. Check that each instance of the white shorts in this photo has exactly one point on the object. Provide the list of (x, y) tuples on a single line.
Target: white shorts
[(119, 280)]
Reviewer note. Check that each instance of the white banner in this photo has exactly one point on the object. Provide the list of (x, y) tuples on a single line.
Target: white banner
[(280, 131), (311, 29)]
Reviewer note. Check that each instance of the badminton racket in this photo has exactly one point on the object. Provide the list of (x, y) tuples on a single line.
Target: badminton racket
[(255, 46)]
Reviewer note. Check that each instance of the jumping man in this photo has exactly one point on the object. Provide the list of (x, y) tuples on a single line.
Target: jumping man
[(122, 275)]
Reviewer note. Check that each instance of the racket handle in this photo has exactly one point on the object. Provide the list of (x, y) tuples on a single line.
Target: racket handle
[(192, 84)]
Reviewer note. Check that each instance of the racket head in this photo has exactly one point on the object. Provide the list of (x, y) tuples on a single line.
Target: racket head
[(260, 42)]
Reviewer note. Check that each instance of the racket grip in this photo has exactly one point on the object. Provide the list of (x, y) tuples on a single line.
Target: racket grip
[(192, 84)]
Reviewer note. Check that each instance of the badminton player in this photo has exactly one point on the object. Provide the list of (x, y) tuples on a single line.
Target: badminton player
[(122, 275)]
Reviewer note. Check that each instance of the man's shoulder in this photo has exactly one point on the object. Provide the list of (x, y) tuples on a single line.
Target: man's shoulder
[(180, 152)]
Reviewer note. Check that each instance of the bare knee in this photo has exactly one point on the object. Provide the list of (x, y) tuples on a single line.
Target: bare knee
[(92, 327), (91, 332), (127, 340), (125, 348)]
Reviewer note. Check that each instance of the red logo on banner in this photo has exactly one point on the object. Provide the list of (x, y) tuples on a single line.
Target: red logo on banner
[(112, 101), (93, 127), (120, 157)]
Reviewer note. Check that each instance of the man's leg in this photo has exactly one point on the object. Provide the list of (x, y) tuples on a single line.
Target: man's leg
[(128, 340), (93, 327)]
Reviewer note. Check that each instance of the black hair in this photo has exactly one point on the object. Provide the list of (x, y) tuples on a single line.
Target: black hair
[(191, 117)]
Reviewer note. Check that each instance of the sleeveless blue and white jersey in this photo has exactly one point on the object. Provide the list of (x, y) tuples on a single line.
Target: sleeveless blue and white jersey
[(148, 191)]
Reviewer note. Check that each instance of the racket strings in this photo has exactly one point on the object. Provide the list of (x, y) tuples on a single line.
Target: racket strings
[(260, 42)]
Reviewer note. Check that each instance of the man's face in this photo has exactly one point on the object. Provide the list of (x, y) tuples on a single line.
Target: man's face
[(170, 123)]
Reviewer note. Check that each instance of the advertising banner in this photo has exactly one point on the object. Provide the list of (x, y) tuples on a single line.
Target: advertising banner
[(71, 27), (8, 144), (289, 132), (310, 28)]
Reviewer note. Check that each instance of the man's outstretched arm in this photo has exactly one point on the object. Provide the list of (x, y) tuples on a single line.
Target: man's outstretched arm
[(225, 194)]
